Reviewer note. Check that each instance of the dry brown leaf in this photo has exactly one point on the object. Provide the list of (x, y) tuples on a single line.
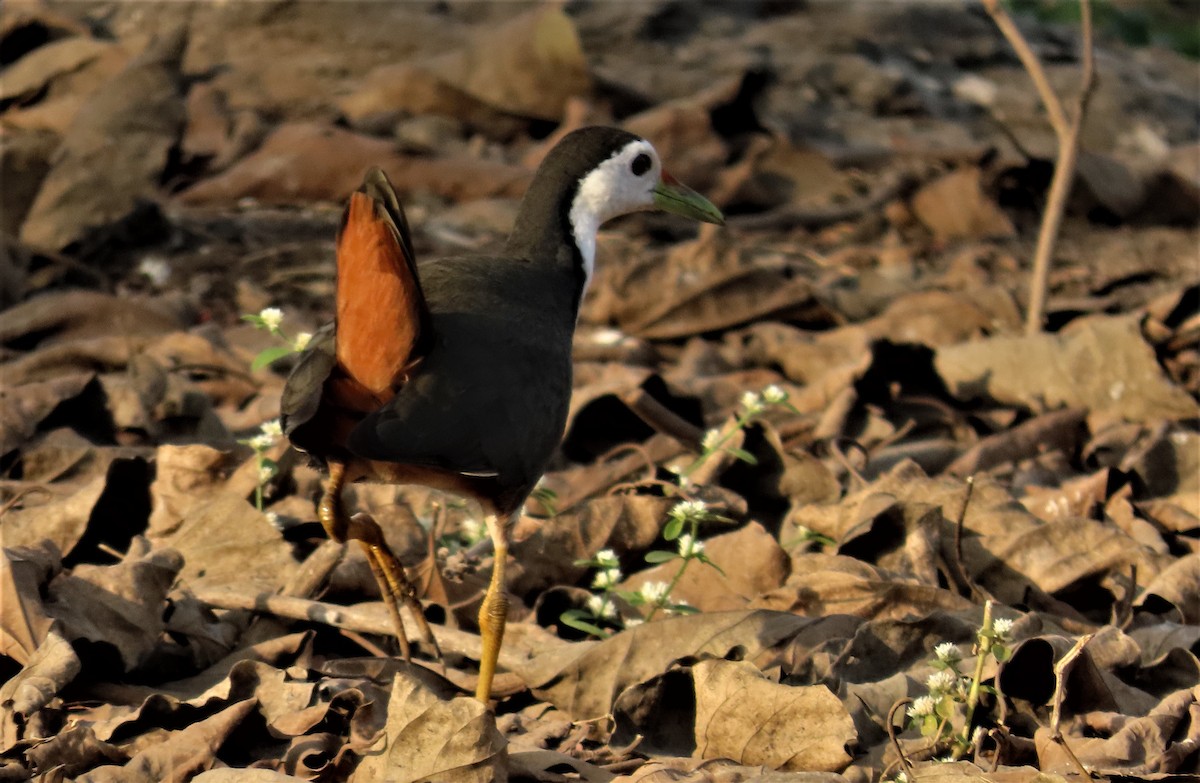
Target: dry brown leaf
[(24, 622), (1178, 584), (182, 475), (178, 756), (966, 772), (816, 591), (583, 680), (114, 153), (62, 519), (78, 64), (23, 408), (1144, 745), (743, 716), (1100, 364), (324, 163), (751, 559), (956, 207), (429, 738), (530, 65), (121, 605), (51, 667), (67, 316), (74, 750), (226, 541), (244, 776), (671, 770)]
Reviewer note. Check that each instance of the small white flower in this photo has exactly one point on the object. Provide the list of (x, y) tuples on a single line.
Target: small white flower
[(654, 592), (261, 442), (271, 317), (302, 340), (751, 403), (472, 529), (599, 607), (607, 558), (634, 622), (273, 518), (156, 269), (265, 472), (1003, 627), (773, 395), (272, 428), (690, 509), (947, 652), (607, 579), (711, 438), (941, 682), (921, 707), (689, 546)]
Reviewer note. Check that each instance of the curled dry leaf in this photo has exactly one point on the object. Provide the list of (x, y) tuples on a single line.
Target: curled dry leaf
[(24, 621), (178, 756), (956, 207), (51, 667), (1157, 743), (1179, 586), (429, 738)]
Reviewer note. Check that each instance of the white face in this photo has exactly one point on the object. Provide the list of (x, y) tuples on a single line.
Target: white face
[(622, 184)]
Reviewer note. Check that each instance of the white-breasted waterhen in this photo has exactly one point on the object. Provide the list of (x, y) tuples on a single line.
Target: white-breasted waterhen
[(455, 373)]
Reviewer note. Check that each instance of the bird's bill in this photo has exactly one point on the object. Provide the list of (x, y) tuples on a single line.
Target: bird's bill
[(671, 195)]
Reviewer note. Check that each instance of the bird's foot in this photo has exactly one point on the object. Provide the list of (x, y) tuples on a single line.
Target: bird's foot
[(393, 582)]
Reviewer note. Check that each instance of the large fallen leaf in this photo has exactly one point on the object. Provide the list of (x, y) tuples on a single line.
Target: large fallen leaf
[(307, 161), (956, 207), (121, 605), (744, 716), (430, 738), (24, 407), (114, 153), (584, 679), (530, 65), (750, 560), (226, 541), (1101, 364)]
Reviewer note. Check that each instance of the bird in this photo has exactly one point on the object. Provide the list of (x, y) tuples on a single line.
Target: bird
[(455, 373)]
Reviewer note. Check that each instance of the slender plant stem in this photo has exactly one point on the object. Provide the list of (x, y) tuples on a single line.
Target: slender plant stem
[(984, 644)]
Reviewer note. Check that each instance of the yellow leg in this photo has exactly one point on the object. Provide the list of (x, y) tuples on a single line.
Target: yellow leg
[(493, 614), (388, 571)]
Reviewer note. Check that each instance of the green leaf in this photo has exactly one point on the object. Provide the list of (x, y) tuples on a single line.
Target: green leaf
[(683, 609), (673, 528), (660, 556), (1001, 653), (742, 454), (575, 619), (270, 355)]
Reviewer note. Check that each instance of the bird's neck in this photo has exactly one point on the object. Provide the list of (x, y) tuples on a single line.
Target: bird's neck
[(553, 231)]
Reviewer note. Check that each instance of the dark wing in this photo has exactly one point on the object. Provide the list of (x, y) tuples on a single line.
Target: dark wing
[(355, 365)]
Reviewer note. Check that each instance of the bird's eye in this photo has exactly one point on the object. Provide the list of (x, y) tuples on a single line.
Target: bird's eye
[(640, 165)]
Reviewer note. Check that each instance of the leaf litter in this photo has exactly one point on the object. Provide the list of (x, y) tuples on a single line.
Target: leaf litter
[(170, 610)]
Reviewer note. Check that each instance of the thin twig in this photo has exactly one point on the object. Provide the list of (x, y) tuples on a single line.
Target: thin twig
[(1062, 670), (891, 730), (958, 538), (1066, 132)]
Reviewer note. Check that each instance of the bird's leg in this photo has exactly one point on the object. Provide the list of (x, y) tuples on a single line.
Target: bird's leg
[(493, 614), (388, 571)]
